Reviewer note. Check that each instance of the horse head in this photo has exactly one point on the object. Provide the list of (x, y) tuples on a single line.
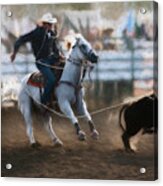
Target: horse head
[(83, 51)]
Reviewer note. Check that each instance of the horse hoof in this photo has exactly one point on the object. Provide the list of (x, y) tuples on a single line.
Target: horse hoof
[(81, 136), (95, 134), (58, 143), (35, 145)]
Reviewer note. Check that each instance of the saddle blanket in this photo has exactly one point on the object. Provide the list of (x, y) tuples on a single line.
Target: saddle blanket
[(36, 79)]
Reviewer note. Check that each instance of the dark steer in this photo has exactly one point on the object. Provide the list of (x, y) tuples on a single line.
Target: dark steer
[(139, 115)]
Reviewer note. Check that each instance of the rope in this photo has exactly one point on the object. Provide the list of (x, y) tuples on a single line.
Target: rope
[(91, 113), (78, 116), (50, 66), (61, 68)]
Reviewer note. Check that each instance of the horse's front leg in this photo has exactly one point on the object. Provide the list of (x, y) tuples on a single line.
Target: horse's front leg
[(82, 110), (67, 110)]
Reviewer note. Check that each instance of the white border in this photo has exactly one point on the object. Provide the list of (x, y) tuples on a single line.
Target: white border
[(63, 182)]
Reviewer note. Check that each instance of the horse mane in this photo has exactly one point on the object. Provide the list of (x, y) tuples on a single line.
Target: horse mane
[(70, 40)]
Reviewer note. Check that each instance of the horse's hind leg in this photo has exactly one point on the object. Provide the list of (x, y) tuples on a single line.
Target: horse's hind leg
[(48, 126), (82, 110), (67, 110), (25, 108)]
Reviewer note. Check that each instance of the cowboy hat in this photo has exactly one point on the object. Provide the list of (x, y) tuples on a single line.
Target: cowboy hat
[(48, 18)]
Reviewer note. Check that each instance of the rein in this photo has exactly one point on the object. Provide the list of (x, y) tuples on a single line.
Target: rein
[(76, 87), (50, 66), (84, 65), (61, 68), (74, 62)]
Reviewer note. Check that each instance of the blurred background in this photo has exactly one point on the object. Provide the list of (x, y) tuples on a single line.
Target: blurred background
[(124, 35)]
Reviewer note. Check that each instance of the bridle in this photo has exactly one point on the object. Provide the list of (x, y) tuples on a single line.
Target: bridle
[(83, 63)]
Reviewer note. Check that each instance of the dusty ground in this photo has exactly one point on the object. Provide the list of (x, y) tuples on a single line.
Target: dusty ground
[(102, 159)]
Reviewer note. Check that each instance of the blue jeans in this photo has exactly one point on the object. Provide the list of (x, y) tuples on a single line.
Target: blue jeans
[(50, 79)]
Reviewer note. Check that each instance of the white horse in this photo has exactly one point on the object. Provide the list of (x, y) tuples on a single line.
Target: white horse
[(68, 92)]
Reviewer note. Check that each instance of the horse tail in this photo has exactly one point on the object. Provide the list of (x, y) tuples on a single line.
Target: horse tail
[(120, 117)]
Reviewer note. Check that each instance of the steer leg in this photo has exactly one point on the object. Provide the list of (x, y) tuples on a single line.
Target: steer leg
[(126, 141)]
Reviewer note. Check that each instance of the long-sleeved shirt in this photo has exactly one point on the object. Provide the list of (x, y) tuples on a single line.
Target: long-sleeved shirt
[(43, 43)]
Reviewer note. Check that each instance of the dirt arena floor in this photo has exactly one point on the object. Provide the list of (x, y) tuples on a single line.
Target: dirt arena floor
[(102, 159)]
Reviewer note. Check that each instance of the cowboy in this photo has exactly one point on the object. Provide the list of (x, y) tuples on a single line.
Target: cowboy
[(44, 45)]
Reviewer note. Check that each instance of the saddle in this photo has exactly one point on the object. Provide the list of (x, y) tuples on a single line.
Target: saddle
[(37, 80)]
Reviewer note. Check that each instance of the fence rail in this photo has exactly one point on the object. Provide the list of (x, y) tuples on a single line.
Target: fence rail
[(112, 66)]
